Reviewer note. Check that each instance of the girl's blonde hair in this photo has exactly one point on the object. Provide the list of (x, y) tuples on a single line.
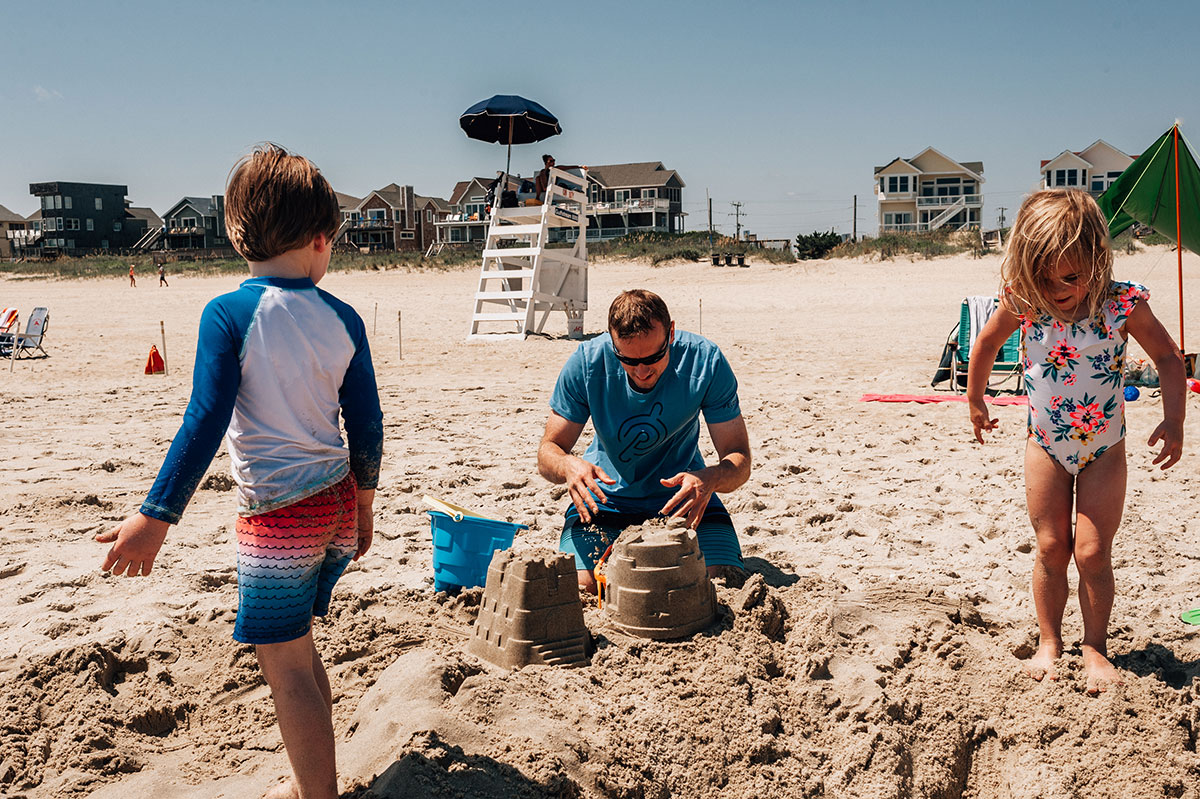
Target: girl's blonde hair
[(1051, 226)]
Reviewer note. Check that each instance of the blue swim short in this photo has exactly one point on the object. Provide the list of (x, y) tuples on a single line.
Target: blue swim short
[(289, 560), (588, 541)]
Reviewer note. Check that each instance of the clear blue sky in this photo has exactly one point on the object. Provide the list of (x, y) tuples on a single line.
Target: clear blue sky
[(783, 106)]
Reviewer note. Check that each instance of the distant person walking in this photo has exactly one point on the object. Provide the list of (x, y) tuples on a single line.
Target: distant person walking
[(162, 275), (132, 279)]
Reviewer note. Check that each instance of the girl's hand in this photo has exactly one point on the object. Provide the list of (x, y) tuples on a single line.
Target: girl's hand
[(1172, 449), (366, 530), (136, 542), (981, 420)]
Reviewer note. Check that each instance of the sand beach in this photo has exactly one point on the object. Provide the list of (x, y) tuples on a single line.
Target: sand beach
[(874, 652)]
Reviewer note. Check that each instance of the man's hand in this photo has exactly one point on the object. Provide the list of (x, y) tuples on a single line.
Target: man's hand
[(981, 420), (1171, 437), (581, 479), (691, 500), (138, 540)]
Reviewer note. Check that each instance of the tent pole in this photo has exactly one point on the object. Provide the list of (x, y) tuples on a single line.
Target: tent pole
[(1179, 239)]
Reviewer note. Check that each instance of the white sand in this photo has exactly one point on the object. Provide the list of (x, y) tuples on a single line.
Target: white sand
[(876, 659)]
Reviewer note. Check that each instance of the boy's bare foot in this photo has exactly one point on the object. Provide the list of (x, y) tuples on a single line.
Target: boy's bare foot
[(286, 789), (1041, 665), (1101, 674)]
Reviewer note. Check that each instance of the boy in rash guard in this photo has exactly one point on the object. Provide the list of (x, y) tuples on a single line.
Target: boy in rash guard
[(276, 362)]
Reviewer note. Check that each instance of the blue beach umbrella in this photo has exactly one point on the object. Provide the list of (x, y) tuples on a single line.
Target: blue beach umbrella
[(509, 119)]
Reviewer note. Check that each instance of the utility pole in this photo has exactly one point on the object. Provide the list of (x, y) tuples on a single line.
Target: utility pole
[(737, 212), (1001, 209), (854, 224)]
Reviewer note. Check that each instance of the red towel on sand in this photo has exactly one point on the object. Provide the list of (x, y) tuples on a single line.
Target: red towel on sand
[(924, 398)]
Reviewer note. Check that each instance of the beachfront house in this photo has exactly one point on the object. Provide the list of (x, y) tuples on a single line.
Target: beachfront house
[(630, 198), (394, 218), (10, 225), (195, 223), (1093, 168), (26, 240), (929, 191), (467, 220), (82, 216)]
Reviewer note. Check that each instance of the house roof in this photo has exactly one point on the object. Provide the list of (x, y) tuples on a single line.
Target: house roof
[(463, 186), (347, 200), (203, 206), (439, 203), (643, 173), (8, 216), (879, 169), (152, 219), (392, 194)]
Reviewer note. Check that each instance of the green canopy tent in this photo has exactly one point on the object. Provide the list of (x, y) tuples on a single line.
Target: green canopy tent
[(1161, 189)]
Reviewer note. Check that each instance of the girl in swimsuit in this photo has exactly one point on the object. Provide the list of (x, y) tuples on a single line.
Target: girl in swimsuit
[(1057, 288)]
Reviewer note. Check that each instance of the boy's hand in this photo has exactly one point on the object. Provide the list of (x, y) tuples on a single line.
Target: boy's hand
[(981, 420), (138, 540), (1172, 449), (366, 530)]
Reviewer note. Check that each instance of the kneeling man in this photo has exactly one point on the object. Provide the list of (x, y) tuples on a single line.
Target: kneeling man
[(644, 386)]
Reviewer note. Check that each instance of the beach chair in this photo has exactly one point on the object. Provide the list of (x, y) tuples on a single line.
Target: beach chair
[(8, 321), (25, 345), (973, 314)]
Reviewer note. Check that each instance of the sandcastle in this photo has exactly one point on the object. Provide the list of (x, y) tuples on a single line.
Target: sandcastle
[(531, 612), (656, 584)]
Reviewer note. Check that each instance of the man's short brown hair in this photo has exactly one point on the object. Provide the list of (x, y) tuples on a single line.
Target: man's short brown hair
[(276, 202), (635, 312)]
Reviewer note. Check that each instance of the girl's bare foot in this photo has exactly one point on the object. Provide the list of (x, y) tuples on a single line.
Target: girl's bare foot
[(1101, 674), (285, 789), (1041, 665)]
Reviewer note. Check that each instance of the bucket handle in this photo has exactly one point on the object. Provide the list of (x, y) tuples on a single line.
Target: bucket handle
[(453, 511)]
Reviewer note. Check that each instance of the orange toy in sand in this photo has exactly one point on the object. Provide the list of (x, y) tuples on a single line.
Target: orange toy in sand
[(154, 362)]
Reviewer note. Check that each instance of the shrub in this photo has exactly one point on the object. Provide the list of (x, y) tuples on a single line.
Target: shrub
[(817, 245)]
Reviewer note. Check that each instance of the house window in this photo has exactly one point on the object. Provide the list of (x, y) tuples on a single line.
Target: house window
[(1072, 177), (377, 214), (72, 224), (1097, 184), (47, 203), (406, 234), (897, 184), (649, 194), (71, 244), (428, 215), (104, 244), (187, 221), (59, 224), (67, 203), (90, 225), (621, 195), (99, 204), (57, 202), (1060, 177), (116, 227)]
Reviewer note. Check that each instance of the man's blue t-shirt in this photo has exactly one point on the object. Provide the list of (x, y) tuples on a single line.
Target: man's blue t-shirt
[(642, 438)]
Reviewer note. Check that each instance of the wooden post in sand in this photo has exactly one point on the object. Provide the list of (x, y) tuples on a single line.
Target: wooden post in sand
[(400, 334), (700, 324), (375, 321), (12, 360), (162, 329)]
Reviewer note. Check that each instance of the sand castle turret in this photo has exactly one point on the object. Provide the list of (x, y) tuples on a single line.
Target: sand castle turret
[(531, 612), (657, 585)]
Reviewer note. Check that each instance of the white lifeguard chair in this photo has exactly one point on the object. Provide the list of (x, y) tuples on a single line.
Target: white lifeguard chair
[(523, 278)]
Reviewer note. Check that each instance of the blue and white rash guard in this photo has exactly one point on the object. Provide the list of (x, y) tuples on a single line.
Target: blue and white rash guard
[(275, 362)]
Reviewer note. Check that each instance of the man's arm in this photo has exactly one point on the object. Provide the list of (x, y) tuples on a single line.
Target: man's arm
[(732, 469), (558, 465)]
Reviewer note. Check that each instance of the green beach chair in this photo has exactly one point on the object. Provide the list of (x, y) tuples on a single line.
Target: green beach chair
[(957, 352)]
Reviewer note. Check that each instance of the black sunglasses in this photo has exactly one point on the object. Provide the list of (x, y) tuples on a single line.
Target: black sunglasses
[(647, 361)]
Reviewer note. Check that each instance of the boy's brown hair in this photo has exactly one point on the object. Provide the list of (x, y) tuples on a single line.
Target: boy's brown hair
[(276, 202), (1053, 225), (634, 313)]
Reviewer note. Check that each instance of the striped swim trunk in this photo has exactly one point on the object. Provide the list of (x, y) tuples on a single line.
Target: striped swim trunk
[(588, 541), (288, 561)]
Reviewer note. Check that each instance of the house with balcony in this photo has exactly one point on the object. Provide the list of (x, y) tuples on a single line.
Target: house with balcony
[(929, 191), (82, 217), (394, 218), (10, 225), (195, 223), (631, 198), (1092, 169)]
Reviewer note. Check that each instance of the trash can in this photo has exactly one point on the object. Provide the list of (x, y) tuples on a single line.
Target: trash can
[(741, 259), (729, 259), (716, 259)]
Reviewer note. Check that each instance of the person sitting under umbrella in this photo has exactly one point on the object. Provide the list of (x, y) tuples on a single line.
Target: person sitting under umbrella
[(542, 182)]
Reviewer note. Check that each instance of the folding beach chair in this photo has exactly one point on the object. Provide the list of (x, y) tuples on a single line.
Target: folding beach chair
[(8, 320), (973, 314), (30, 342)]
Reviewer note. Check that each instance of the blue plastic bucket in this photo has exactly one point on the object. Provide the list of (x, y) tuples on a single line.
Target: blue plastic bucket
[(462, 550)]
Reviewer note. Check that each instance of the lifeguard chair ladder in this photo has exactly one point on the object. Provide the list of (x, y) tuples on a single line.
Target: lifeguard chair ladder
[(522, 279)]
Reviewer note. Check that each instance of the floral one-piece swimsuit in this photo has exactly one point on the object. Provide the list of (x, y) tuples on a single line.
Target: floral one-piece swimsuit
[(1075, 378)]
